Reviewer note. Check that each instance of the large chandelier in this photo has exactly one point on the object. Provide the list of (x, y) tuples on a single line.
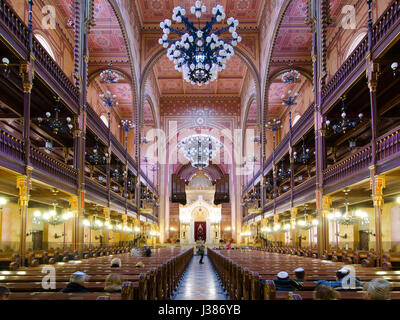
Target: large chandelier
[(56, 123), (200, 53), (109, 76), (345, 124), (349, 218), (200, 149)]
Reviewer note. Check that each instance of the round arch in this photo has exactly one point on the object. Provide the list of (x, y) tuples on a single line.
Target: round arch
[(152, 108), (157, 56), (94, 74)]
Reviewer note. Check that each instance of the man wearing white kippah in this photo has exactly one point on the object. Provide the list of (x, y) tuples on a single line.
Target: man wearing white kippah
[(379, 289), (76, 283)]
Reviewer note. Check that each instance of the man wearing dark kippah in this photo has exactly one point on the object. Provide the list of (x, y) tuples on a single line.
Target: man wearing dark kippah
[(4, 293), (350, 283)]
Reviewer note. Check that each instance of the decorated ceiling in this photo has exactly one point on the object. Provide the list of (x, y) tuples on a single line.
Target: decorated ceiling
[(151, 12)]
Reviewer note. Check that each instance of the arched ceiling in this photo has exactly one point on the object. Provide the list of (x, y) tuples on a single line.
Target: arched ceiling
[(107, 45), (229, 82), (151, 12)]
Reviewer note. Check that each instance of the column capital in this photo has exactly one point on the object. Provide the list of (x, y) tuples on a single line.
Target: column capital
[(27, 73), (377, 185), (326, 202)]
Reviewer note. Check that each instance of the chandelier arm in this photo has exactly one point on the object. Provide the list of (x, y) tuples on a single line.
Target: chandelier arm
[(189, 25), (223, 30), (178, 32), (209, 25)]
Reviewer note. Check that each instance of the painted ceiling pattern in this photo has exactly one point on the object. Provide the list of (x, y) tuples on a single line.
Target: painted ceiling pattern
[(151, 12), (229, 82), (200, 108)]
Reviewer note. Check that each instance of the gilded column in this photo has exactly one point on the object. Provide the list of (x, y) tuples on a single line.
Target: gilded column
[(378, 183), (24, 186), (326, 206), (293, 215), (106, 212)]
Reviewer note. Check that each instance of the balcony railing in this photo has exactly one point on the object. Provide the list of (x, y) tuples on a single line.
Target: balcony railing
[(381, 28), (389, 18), (52, 68), (11, 147), (388, 145), (40, 161), (11, 20), (349, 166)]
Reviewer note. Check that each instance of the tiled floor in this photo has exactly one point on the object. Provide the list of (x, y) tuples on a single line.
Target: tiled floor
[(200, 282)]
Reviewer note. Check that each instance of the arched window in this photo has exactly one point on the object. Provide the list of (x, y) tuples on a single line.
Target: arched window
[(355, 43), (45, 45), (104, 119), (296, 118)]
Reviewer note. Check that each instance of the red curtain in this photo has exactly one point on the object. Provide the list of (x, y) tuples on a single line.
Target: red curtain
[(200, 231)]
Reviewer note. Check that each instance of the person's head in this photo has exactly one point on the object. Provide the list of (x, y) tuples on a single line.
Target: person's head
[(116, 263), (379, 289), (300, 273), (78, 278), (283, 275), (341, 273), (113, 280), (324, 292), (4, 293), (140, 264)]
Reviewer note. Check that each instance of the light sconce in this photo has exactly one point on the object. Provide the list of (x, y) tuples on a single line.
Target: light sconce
[(395, 68)]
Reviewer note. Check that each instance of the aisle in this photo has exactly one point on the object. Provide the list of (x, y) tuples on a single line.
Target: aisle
[(200, 282)]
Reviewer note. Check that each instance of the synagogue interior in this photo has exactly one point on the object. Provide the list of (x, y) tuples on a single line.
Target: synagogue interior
[(249, 146)]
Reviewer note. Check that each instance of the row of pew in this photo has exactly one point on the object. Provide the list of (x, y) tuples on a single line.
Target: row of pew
[(157, 280), (241, 272), (390, 260)]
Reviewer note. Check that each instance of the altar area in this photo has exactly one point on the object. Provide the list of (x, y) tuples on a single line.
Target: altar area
[(200, 218)]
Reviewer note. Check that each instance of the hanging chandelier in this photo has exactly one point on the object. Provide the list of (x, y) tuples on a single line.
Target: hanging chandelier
[(282, 173), (109, 100), (290, 76), (56, 124), (52, 217), (200, 149), (109, 76), (96, 158), (349, 218), (200, 53), (304, 157), (345, 124)]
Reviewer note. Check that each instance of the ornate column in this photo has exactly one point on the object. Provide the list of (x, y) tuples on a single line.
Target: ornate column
[(372, 74), (377, 185), (77, 226), (293, 215), (106, 212), (108, 175), (276, 235), (326, 205), (124, 226), (24, 186)]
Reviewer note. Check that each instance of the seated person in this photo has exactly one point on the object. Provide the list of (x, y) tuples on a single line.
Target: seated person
[(140, 264), (350, 283), (146, 251), (113, 283), (378, 289), (323, 292), (135, 253), (4, 293), (116, 263), (300, 274), (76, 283), (283, 283)]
